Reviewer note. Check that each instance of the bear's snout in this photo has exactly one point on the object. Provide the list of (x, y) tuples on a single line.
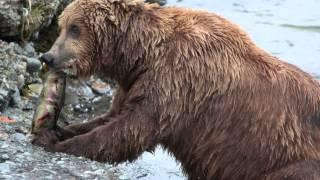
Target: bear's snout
[(48, 59)]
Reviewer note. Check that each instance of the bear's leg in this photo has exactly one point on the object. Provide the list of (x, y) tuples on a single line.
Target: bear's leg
[(125, 137), (82, 128), (304, 170)]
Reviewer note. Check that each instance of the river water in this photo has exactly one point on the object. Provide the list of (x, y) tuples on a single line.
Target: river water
[(289, 29)]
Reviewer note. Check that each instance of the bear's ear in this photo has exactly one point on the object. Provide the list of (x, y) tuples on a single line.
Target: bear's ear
[(102, 12), (129, 4), (113, 19), (133, 2)]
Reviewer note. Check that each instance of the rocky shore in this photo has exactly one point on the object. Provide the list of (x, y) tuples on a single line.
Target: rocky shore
[(27, 28), (20, 86)]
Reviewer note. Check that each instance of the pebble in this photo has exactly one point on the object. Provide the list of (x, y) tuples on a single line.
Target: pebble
[(3, 136), (83, 108), (4, 167), (16, 98), (27, 154), (17, 49), (20, 81), (4, 99), (21, 67), (124, 177), (20, 137), (12, 75), (60, 162), (33, 65), (77, 92), (4, 146), (99, 171), (85, 91), (5, 157), (160, 2), (100, 87), (96, 99), (29, 50)]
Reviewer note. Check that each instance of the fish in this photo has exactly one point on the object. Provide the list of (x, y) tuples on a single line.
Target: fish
[(51, 101)]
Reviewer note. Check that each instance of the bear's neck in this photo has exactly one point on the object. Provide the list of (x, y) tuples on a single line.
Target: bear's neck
[(141, 32)]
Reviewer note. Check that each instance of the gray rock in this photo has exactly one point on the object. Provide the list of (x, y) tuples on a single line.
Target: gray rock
[(100, 87), (16, 98), (18, 49), (33, 65), (29, 50), (4, 99), (3, 136), (20, 137), (4, 168), (4, 146), (21, 67), (124, 177), (23, 18), (10, 18), (20, 81), (60, 162), (5, 156), (77, 91), (160, 2), (12, 75), (99, 171), (82, 108)]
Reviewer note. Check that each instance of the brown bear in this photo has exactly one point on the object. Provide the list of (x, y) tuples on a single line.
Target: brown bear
[(192, 82)]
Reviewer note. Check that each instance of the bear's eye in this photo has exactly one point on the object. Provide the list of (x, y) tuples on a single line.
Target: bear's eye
[(74, 31)]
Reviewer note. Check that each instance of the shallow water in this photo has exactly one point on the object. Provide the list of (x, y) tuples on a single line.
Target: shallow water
[(289, 29)]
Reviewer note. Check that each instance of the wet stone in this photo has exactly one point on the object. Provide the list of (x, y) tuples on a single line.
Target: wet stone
[(33, 65), (160, 2), (4, 99), (20, 137), (21, 67), (60, 162), (76, 92), (124, 177), (82, 108), (4, 146), (100, 87), (20, 81), (5, 157), (12, 75), (17, 49), (4, 168), (16, 98), (29, 50), (3, 136)]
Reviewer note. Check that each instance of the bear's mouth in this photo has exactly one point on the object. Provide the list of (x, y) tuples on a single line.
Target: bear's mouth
[(70, 68)]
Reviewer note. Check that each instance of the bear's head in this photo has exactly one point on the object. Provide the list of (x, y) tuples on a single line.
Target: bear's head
[(90, 33)]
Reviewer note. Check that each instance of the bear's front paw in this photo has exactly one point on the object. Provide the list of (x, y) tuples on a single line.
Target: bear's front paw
[(65, 133), (47, 139)]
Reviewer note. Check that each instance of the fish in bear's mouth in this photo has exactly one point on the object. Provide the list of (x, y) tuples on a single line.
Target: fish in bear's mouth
[(69, 68)]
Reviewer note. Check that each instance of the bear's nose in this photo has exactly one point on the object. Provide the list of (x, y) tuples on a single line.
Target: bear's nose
[(48, 59)]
